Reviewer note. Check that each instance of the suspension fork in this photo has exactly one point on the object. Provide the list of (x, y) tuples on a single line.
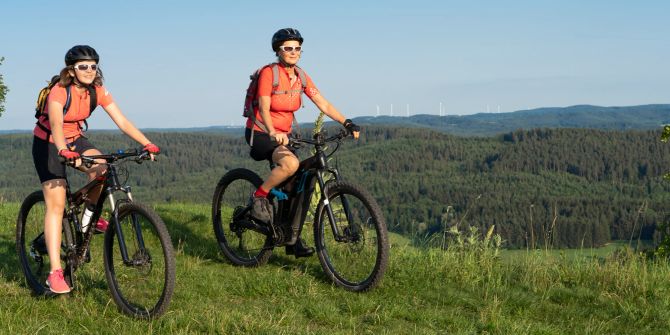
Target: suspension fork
[(115, 205), (329, 210), (345, 204)]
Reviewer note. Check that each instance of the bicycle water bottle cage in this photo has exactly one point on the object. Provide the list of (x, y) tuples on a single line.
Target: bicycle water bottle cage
[(278, 194)]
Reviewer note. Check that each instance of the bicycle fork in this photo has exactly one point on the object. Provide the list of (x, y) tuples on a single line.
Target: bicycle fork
[(329, 209)]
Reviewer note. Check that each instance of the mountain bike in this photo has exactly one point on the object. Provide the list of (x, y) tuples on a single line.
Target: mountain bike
[(138, 254), (349, 229)]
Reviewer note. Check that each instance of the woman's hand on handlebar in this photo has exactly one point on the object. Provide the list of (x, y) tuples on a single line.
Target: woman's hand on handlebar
[(152, 149), (70, 157)]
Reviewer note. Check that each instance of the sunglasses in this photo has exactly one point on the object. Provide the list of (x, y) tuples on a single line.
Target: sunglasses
[(84, 67), (289, 49)]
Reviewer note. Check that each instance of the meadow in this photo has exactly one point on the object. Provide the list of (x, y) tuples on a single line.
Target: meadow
[(469, 287)]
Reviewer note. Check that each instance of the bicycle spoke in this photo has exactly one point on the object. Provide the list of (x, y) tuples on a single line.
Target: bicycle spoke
[(141, 285), (352, 248), (240, 245)]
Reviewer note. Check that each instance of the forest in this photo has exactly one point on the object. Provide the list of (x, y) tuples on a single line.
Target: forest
[(540, 188)]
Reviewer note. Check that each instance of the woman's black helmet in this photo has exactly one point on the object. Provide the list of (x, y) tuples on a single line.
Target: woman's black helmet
[(79, 53), (283, 35)]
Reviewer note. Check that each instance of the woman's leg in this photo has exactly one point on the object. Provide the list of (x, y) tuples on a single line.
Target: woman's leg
[(54, 199)]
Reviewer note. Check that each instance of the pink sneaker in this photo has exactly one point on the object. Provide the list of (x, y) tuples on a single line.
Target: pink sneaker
[(56, 282), (101, 226)]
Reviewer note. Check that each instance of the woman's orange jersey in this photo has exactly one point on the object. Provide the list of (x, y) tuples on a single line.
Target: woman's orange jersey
[(75, 116)]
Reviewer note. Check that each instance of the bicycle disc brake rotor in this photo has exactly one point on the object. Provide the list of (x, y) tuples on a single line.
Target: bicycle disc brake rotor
[(355, 237), (142, 261)]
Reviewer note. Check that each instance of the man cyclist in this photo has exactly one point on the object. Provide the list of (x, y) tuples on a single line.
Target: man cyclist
[(268, 135)]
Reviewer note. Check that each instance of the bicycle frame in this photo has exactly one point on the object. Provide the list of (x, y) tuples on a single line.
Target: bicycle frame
[(310, 171), (109, 184)]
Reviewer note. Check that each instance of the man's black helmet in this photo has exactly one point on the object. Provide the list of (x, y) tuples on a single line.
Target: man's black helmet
[(79, 53), (283, 35)]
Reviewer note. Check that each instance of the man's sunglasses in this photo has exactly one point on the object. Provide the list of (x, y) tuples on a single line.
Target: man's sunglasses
[(289, 49), (84, 67)]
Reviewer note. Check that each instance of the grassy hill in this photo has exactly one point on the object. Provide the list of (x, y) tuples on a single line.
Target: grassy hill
[(468, 288)]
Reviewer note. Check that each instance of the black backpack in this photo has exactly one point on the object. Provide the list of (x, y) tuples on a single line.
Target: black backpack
[(42, 103)]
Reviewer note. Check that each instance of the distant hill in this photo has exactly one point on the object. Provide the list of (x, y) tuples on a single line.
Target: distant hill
[(582, 116), (644, 117)]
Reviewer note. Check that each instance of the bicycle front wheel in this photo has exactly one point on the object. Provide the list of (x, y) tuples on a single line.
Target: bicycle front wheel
[(142, 285), (31, 245), (240, 245), (352, 245)]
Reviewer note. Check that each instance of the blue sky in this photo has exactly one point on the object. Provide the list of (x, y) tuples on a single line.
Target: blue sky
[(186, 63)]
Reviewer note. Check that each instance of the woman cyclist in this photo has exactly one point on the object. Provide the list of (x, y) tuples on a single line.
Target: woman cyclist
[(268, 140), (58, 135)]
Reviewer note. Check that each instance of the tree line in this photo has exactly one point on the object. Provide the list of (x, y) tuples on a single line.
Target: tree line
[(540, 187)]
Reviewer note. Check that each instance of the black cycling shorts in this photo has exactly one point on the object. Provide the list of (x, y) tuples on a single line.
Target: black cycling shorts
[(263, 146), (46, 159)]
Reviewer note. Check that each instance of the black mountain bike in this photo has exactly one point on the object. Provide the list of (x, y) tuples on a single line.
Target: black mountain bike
[(349, 229), (138, 255)]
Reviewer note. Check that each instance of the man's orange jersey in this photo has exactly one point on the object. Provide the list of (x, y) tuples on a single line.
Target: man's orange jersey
[(282, 106)]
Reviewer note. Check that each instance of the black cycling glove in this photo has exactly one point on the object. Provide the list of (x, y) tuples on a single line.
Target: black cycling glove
[(350, 126)]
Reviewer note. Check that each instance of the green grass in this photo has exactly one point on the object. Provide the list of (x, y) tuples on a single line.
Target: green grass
[(464, 290)]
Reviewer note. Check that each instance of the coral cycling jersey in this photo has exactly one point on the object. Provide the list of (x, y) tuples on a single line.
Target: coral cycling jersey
[(75, 116), (282, 106)]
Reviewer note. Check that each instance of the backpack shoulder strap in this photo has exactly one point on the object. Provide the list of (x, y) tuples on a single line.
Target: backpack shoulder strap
[(68, 99), (94, 98), (302, 76), (275, 75)]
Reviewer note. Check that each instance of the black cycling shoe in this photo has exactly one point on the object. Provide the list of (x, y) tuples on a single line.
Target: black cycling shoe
[(299, 249)]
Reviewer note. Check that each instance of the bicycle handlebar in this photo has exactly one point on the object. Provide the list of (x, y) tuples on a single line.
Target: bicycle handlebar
[(88, 161), (318, 139)]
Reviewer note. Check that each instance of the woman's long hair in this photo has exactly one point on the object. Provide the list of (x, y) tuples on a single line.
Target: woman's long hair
[(66, 79)]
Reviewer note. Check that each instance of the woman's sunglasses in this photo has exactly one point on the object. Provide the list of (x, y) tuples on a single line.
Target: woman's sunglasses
[(289, 49), (84, 67)]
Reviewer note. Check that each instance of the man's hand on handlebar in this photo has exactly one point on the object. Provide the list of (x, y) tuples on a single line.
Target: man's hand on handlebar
[(279, 138), (352, 128)]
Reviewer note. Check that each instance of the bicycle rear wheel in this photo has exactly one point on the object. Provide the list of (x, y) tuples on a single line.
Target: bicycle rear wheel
[(356, 257), (241, 246), (143, 286), (31, 247)]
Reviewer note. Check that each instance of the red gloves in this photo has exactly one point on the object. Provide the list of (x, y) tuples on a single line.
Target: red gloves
[(152, 148), (68, 155)]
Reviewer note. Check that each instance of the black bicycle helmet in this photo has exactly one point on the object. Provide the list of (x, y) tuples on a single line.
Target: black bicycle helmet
[(283, 35), (81, 52)]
